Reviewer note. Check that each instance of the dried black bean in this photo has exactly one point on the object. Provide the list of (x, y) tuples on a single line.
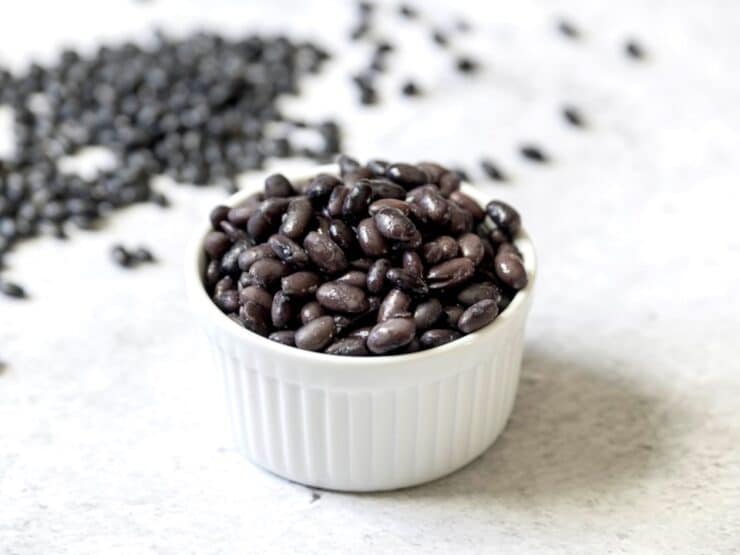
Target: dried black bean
[(438, 337), (384, 189), (461, 221), (213, 273), (362, 264), (449, 183), (315, 335), (377, 167), (634, 50), (342, 297), (325, 253), (218, 214), (390, 335), (336, 201), (396, 204), (452, 314), (433, 171), (123, 258), (341, 234), (239, 215), (230, 260), (142, 254), (396, 304), (410, 88), (252, 254), (411, 262), (215, 244), (478, 315), (13, 290), (361, 333), (357, 200), (349, 346), (321, 186), (573, 116), (441, 249), (466, 64), (468, 203), (434, 207), (568, 29)]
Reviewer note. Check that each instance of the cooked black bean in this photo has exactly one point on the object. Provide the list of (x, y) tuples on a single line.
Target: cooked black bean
[(215, 244), (432, 170), (461, 221), (315, 335), (224, 284), (452, 314), (354, 277), (228, 300), (378, 167), (239, 215), (395, 304), (356, 202), (441, 249), (257, 294), (393, 224), (13, 290), (260, 225), (234, 233), (252, 254), (478, 315), (230, 260), (450, 273), (510, 270), (371, 241), (347, 165), (341, 234), (342, 323), (349, 346), (434, 207), (509, 248), (284, 337), (376, 275), (449, 183), (407, 281), (281, 310), (297, 218), (471, 247), (406, 175), (534, 154), (411, 262), (427, 313), (321, 186), (476, 292), (336, 201), (300, 284), (504, 216), (573, 116), (268, 271), (394, 203), (362, 264), (360, 333), (325, 253), (217, 215), (311, 311), (255, 317), (288, 251), (438, 337), (390, 335), (342, 297), (213, 273), (277, 185), (384, 189)]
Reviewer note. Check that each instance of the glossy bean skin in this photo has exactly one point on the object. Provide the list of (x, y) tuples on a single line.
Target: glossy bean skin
[(311, 311), (361, 333), (341, 234), (441, 249), (356, 202), (471, 247), (277, 185), (227, 301), (449, 183), (297, 218), (325, 253), (384, 189), (437, 337), (371, 241), (376, 282), (504, 216), (288, 251), (255, 317), (281, 311), (476, 292), (361, 264), (218, 214), (284, 337), (468, 203), (316, 335), (450, 273), (336, 201), (406, 175), (432, 170), (461, 221), (349, 346), (397, 204), (267, 272), (212, 273), (234, 233), (427, 314), (451, 315), (216, 244), (390, 335), (256, 294), (230, 260), (435, 207), (394, 225), (342, 297), (253, 254), (402, 279), (321, 187), (239, 215), (411, 262), (478, 315), (300, 284), (395, 304), (510, 270), (354, 277)]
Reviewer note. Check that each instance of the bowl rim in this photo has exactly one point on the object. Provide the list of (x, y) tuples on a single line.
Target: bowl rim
[(207, 309)]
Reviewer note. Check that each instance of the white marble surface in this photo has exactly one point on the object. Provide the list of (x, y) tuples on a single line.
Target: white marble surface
[(625, 436)]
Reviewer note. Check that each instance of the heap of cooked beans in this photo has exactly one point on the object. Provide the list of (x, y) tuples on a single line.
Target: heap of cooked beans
[(384, 259)]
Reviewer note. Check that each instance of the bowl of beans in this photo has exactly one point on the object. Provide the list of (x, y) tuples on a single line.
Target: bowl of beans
[(368, 320)]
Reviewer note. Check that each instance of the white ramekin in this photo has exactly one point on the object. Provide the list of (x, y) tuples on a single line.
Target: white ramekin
[(365, 424)]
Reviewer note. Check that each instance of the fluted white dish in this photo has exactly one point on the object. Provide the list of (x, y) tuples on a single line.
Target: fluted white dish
[(365, 423)]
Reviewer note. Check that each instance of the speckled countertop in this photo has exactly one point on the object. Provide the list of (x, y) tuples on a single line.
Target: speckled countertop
[(625, 437)]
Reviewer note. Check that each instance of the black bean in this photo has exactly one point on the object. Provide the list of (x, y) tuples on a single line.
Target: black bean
[(466, 64), (441, 249), (239, 215), (476, 292), (427, 313), (410, 88), (468, 203), (438, 337), (252, 254), (433, 171), (218, 214), (634, 49), (411, 262), (349, 346), (256, 294), (403, 279), (277, 185), (325, 253), (316, 335), (362, 264), (267, 272), (452, 314), (260, 225), (510, 270), (450, 273), (376, 275), (342, 297), (13, 290), (573, 116), (396, 204), (341, 234), (568, 29), (439, 37), (284, 337), (336, 201), (492, 170), (123, 258), (215, 244), (471, 247), (213, 273), (396, 304), (347, 165), (357, 200), (371, 241), (234, 233), (143, 254), (228, 300), (384, 189), (534, 154), (230, 260), (321, 186), (434, 207), (311, 311), (504, 216), (297, 218), (407, 11), (288, 251), (255, 317), (390, 335), (281, 310), (406, 175), (300, 284), (393, 224), (461, 221), (377, 167), (354, 277), (449, 183), (361, 333), (478, 315)]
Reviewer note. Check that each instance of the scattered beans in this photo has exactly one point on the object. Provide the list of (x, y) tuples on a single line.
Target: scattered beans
[(573, 116), (634, 49), (568, 29), (391, 258), (410, 88), (492, 170), (13, 290), (534, 154)]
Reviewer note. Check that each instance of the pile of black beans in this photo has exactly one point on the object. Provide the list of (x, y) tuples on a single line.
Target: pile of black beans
[(387, 258), (200, 109)]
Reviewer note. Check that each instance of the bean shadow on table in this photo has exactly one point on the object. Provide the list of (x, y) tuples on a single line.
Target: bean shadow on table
[(579, 426)]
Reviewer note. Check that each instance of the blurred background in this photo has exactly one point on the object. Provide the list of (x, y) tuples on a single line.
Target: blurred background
[(613, 128)]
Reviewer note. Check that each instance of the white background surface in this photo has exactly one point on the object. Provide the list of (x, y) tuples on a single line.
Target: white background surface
[(626, 433)]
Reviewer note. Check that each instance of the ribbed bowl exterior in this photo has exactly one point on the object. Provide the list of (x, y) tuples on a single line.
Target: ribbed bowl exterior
[(366, 423)]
